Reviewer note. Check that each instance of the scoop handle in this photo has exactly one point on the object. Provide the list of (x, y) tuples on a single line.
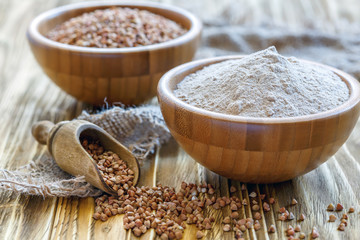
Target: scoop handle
[(41, 130)]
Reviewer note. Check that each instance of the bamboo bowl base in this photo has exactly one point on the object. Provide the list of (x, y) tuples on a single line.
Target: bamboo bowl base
[(256, 150), (126, 75)]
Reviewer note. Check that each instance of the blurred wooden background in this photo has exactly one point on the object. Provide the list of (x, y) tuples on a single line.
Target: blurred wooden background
[(27, 95)]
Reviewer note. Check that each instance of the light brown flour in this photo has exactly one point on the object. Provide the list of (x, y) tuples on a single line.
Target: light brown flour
[(263, 84)]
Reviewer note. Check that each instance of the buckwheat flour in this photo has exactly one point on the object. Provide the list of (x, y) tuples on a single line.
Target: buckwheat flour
[(263, 84)]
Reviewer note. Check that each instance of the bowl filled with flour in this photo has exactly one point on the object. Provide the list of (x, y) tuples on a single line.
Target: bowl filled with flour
[(259, 118)]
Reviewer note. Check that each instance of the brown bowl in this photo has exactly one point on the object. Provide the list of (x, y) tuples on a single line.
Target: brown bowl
[(257, 150), (127, 75)]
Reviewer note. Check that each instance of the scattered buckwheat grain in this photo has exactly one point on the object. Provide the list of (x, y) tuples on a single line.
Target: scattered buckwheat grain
[(344, 221), (266, 207), (330, 207), (293, 201), (257, 216), (272, 228), (253, 195), (290, 231), (291, 216), (226, 228), (255, 207), (199, 234), (227, 220), (339, 207), (233, 189), (302, 235), (332, 218), (257, 225), (341, 227), (314, 233)]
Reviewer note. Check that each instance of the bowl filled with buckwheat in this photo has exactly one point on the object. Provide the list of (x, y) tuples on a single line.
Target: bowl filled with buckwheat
[(112, 51)]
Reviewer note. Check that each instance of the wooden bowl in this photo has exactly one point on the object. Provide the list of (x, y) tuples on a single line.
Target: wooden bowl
[(127, 75), (257, 150)]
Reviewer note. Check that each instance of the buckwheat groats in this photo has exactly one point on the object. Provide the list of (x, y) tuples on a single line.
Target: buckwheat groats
[(169, 212), (116, 27)]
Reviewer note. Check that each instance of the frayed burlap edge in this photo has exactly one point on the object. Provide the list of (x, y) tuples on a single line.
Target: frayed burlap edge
[(141, 129)]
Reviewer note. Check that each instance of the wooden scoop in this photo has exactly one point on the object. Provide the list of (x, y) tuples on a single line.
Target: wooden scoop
[(63, 141)]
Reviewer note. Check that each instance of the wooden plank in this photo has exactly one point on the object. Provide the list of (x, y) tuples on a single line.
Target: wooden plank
[(27, 95)]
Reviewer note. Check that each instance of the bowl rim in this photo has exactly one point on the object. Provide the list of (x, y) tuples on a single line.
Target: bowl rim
[(164, 90), (194, 30)]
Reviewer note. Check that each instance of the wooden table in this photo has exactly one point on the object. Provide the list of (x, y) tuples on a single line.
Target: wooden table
[(27, 95)]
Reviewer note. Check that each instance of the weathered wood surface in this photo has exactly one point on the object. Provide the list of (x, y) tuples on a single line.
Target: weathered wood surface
[(27, 95)]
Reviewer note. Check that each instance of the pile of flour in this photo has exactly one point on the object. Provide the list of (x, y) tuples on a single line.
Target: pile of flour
[(263, 84)]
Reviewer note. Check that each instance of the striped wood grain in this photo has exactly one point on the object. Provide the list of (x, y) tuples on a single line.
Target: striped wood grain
[(27, 95)]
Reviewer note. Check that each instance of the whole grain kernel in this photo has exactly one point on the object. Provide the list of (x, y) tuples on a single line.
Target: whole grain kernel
[(344, 216), (234, 215), (233, 207), (297, 228), (302, 217), (257, 216), (332, 218), (244, 202), (351, 209), (241, 221), (137, 232), (233, 189), (293, 201), (282, 217), (226, 220), (238, 234), (164, 236), (252, 194), (290, 231), (290, 216), (211, 191), (208, 226), (178, 234), (314, 233), (272, 228), (271, 200), (341, 227), (330, 207), (344, 221), (216, 206), (266, 207), (243, 228), (226, 228), (302, 235), (255, 207), (248, 224), (257, 226), (103, 217), (96, 216), (339, 207)]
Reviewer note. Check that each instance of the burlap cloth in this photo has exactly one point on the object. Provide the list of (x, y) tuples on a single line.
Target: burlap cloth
[(143, 129)]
